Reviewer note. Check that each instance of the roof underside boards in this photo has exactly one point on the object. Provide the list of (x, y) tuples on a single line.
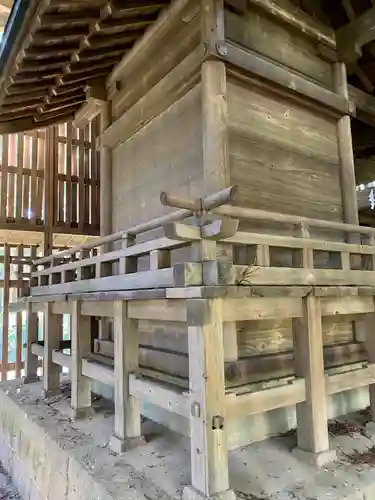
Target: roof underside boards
[(61, 47)]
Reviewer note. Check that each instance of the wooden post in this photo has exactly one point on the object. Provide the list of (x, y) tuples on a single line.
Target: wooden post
[(80, 336), (214, 101), (208, 448), (345, 146), (370, 348), (5, 331), (105, 203), (105, 176), (127, 425), (31, 361), (52, 336), (312, 427), (347, 173)]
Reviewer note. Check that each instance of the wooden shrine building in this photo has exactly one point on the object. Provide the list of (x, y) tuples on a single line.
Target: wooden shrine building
[(231, 294)]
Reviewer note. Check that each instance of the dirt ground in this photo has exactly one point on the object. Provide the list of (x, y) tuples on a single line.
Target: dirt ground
[(7, 490)]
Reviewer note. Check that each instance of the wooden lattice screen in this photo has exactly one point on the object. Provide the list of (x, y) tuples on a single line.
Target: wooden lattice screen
[(66, 154)]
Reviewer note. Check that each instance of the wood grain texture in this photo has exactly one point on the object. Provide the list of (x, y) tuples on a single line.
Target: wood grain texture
[(272, 38), (171, 161), (283, 156)]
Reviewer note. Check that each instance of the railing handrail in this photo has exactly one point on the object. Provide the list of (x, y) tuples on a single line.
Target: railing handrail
[(206, 203), (264, 216)]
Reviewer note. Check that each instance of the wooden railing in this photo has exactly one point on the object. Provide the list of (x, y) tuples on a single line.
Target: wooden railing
[(85, 269)]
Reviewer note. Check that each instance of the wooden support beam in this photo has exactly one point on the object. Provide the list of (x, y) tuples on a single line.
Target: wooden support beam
[(127, 426), (80, 348), (159, 395), (265, 400), (63, 360), (52, 337), (287, 80), (174, 85), (208, 448), (312, 427), (354, 35), (31, 362), (99, 372), (351, 379)]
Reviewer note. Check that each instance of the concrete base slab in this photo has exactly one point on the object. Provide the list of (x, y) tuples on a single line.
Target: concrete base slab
[(81, 413), (119, 445), (190, 493), (50, 457), (315, 459)]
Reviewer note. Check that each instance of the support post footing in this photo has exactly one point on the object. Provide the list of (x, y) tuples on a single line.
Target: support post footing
[(190, 493), (119, 445), (81, 413), (315, 459), (370, 426), (51, 394), (31, 379)]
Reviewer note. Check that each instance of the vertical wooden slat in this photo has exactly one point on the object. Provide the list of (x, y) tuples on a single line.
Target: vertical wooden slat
[(26, 178), (5, 331), (61, 158), (19, 200), (12, 160), (4, 177), (20, 270), (81, 179), (86, 199), (95, 208), (69, 173), (40, 180), (34, 166), (74, 182), (49, 193)]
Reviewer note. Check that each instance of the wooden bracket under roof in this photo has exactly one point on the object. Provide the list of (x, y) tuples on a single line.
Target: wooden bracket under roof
[(353, 36), (96, 96)]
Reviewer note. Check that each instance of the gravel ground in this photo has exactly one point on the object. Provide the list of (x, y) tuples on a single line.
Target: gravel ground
[(7, 490)]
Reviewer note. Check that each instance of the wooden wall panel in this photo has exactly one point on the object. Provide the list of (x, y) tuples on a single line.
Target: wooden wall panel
[(270, 37), (164, 155), (283, 156)]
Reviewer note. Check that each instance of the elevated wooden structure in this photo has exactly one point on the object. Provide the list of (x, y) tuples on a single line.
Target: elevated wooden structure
[(246, 299), (209, 295)]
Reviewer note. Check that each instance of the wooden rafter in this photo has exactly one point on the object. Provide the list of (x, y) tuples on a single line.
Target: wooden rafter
[(63, 47)]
